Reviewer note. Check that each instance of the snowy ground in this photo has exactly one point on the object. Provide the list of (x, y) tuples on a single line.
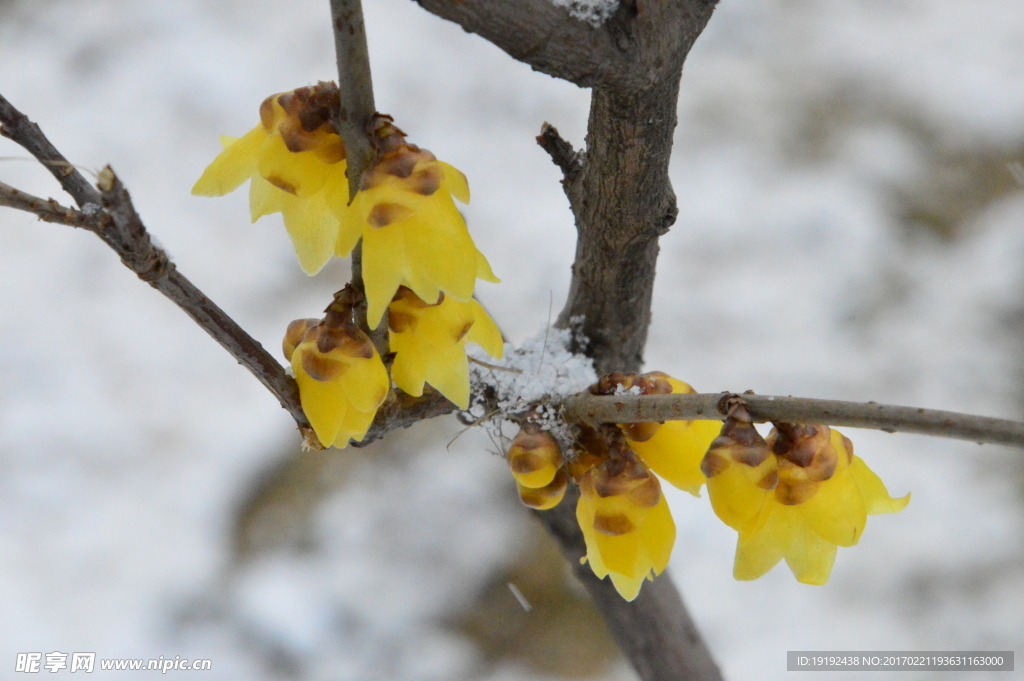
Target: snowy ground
[(849, 228)]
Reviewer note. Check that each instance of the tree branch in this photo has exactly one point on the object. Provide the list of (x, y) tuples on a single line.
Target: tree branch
[(653, 631), (641, 408), (109, 213), (402, 411), (17, 127), (113, 218), (622, 201), (560, 151), (355, 89), (638, 45), (46, 210)]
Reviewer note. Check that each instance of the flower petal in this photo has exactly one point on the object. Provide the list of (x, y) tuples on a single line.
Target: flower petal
[(675, 451), (232, 167), (810, 557), (876, 496), (485, 332), (837, 512), (301, 174), (264, 198), (455, 181), (312, 227), (760, 551)]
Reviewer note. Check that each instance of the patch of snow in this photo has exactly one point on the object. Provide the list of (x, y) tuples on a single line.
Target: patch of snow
[(594, 12), (535, 377)]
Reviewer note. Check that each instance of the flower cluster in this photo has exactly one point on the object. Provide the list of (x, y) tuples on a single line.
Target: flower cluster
[(342, 380), (419, 263), (797, 496), (625, 520)]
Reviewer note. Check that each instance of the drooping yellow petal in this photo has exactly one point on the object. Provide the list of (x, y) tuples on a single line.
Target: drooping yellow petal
[(675, 451), (658, 535), (876, 497), (264, 198), (313, 229), (354, 425), (455, 181), (324, 404), (449, 374), (628, 587), (366, 384), (483, 269), (409, 373), (233, 166), (301, 174), (760, 551), (622, 553), (836, 512), (736, 497), (809, 556), (385, 267), (485, 332)]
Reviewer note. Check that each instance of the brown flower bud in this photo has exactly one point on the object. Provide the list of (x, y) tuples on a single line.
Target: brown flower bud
[(808, 448), (739, 442), (295, 334), (534, 457), (549, 496)]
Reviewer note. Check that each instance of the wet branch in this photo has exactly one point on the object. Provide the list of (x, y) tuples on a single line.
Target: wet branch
[(639, 408)]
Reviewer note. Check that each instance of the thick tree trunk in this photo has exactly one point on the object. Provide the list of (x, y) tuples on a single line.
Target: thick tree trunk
[(623, 201)]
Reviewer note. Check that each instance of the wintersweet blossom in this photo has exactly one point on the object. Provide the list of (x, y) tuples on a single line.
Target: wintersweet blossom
[(414, 236), (673, 449), (341, 378), (626, 523), (295, 162), (625, 520), (430, 343), (796, 496)]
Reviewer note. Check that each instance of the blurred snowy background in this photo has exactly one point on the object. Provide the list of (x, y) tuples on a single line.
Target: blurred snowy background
[(850, 227)]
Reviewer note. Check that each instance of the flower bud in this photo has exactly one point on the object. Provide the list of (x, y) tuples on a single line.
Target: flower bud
[(534, 457), (547, 497)]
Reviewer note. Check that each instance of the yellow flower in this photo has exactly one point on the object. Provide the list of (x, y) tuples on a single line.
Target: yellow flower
[(796, 496), (341, 378), (626, 523), (296, 163), (673, 449), (414, 235), (536, 462), (430, 342)]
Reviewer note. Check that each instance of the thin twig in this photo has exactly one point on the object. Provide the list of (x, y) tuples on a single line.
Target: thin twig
[(16, 126), (487, 365), (640, 408), (355, 88), (46, 210), (560, 151), (113, 218)]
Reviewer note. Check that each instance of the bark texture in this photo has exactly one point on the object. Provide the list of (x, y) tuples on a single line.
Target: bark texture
[(623, 201), (620, 195)]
